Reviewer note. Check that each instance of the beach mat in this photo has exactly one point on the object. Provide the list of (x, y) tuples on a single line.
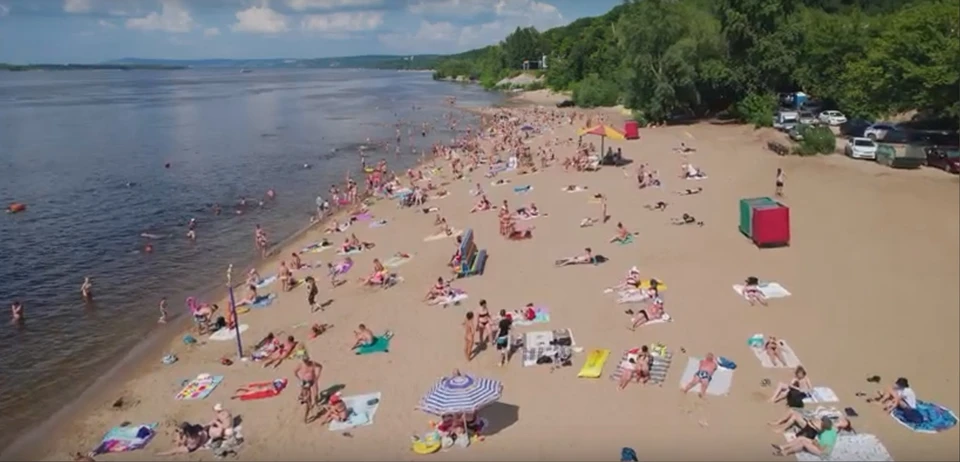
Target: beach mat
[(850, 447), (441, 236), (786, 352), (719, 386), (226, 333), (394, 262), (381, 344), (127, 438), (821, 395), (626, 240), (658, 372), (262, 302), (936, 418), (593, 365), (199, 388), (770, 290), (522, 189), (361, 412), (378, 224), (542, 316)]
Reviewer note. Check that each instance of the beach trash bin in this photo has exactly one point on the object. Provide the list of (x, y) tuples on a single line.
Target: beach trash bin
[(771, 225), (631, 130), (746, 213)]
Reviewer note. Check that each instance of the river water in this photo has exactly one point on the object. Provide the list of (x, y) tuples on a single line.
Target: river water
[(86, 151)]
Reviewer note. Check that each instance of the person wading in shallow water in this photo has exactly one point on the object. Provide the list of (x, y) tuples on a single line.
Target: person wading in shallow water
[(86, 290)]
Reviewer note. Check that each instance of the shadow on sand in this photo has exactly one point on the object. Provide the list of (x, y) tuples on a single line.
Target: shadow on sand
[(499, 416)]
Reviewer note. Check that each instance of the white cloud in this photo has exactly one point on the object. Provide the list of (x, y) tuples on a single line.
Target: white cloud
[(211, 32), (343, 22), (106, 24), (301, 5), (4, 10), (77, 6), (173, 17), (447, 37), (260, 20)]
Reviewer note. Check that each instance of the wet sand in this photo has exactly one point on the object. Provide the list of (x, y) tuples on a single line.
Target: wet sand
[(873, 267)]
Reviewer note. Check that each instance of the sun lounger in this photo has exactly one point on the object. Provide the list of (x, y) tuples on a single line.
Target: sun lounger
[(719, 386), (770, 290), (362, 409), (658, 372)]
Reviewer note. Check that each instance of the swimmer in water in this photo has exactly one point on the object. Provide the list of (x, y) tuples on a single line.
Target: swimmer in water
[(163, 311), (148, 248), (86, 289), (192, 235), (16, 313), (216, 209)]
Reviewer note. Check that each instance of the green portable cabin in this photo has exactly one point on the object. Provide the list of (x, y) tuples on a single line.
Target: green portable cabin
[(746, 212)]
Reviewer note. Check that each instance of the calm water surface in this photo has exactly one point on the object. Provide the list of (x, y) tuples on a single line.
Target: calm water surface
[(70, 142)]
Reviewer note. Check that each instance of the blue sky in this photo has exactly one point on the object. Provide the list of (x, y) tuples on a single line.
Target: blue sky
[(82, 31)]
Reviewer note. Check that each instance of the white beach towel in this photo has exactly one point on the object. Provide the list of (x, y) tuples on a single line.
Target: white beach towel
[(442, 235), (266, 281), (821, 395), (633, 297), (858, 447), (719, 386), (361, 412), (378, 224), (499, 182), (662, 319), (352, 252), (225, 334), (769, 290), (396, 261), (574, 190), (786, 352), (450, 300)]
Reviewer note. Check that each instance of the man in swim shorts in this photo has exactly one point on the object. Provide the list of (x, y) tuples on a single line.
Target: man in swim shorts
[(309, 374), (363, 336), (504, 324), (703, 376)]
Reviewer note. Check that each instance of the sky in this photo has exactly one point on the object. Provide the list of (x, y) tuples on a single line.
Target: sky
[(89, 31)]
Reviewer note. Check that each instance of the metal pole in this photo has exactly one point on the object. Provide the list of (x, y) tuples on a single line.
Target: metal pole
[(233, 311)]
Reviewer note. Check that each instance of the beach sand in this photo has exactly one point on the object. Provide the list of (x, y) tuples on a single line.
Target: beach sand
[(873, 268)]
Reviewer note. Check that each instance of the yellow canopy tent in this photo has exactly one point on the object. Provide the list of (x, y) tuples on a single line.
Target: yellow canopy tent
[(604, 132)]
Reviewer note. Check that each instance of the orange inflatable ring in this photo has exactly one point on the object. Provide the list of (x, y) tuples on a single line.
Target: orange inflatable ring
[(16, 207)]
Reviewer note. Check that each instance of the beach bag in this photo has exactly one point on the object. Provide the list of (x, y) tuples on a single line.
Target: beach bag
[(795, 398)]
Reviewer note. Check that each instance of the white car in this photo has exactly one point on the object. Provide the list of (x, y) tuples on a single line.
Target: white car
[(861, 148), (833, 118), (885, 132)]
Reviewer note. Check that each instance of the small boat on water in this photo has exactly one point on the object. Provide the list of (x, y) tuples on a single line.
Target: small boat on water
[(245, 71), (16, 207)]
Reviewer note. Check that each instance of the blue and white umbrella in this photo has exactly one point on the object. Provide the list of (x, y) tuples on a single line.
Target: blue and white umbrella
[(460, 394)]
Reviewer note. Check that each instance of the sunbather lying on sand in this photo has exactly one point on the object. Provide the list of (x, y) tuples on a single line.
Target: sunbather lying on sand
[(771, 346), (336, 227), (686, 219), (799, 385), (573, 187), (808, 428), (818, 441), (430, 209), (623, 235), (353, 243), (283, 352), (660, 205), (690, 192), (482, 204), (585, 258), (362, 337), (189, 438), (530, 211), (752, 292), (703, 376), (651, 313), (636, 367), (587, 222), (690, 172)]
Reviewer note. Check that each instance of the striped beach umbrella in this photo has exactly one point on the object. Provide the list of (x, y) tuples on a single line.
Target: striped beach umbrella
[(461, 393)]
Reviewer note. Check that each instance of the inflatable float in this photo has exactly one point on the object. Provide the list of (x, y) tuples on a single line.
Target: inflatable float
[(16, 207)]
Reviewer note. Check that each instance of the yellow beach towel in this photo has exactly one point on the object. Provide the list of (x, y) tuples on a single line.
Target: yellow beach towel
[(593, 366)]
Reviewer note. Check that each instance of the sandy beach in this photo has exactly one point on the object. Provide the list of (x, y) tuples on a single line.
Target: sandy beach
[(872, 267)]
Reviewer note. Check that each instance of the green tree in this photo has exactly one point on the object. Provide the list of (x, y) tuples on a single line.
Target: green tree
[(762, 42)]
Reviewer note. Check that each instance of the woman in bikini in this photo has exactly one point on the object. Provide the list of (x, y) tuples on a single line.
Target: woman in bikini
[(651, 313), (285, 276), (440, 289), (752, 292), (469, 336), (379, 274), (799, 383), (809, 428), (484, 326), (296, 263), (482, 204), (771, 346)]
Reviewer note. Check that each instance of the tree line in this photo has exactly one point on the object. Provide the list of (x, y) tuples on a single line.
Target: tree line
[(664, 58)]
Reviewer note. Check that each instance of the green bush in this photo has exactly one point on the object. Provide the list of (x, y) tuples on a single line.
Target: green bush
[(536, 85), (756, 109), (816, 140), (640, 117), (593, 91)]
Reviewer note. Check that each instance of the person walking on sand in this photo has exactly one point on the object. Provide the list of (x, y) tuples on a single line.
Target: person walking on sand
[(780, 178), (163, 311), (469, 336), (312, 292), (86, 290), (309, 374)]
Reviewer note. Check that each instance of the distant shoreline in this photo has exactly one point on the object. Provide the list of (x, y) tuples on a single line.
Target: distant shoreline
[(88, 67)]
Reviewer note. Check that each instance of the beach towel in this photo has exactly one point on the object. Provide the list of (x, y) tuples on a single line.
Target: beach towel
[(658, 371), (351, 252), (644, 285), (316, 247), (785, 351), (719, 386), (199, 388), (625, 240), (522, 189), (593, 365), (542, 315), (537, 345), (126, 438), (442, 235), (456, 297), (226, 333), (361, 411), (363, 216), (262, 301), (381, 344), (396, 261), (633, 296), (695, 178), (574, 190), (266, 281), (850, 447), (378, 224), (769, 290), (662, 319), (936, 418), (821, 395), (499, 182)]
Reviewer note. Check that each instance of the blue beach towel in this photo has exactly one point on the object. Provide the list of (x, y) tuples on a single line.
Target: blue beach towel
[(267, 281), (125, 439), (628, 455), (936, 418), (263, 301), (522, 189)]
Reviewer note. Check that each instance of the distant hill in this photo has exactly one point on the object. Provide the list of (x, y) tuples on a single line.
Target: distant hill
[(415, 62)]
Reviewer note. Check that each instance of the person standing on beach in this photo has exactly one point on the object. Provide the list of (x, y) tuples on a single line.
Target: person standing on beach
[(163, 311), (260, 239), (309, 374), (16, 313), (86, 290), (470, 336), (780, 178), (312, 292)]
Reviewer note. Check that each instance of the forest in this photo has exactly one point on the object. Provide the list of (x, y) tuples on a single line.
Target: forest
[(669, 58)]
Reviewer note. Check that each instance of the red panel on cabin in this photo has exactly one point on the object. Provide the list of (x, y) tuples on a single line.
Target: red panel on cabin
[(771, 225), (631, 130)]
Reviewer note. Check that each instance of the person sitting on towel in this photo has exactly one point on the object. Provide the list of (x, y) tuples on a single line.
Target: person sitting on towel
[(379, 275), (222, 424), (336, 410), (586, 257), (252, 296), (440, 289), (623, 235), (686, 219), (752, 292), (253, 277), (636, 366), (703, 376), (899, 396), (482, 204), (651, 313), (794, 392), (808, 428), (362, 336)]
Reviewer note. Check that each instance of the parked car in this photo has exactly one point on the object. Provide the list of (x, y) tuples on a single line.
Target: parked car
[(807, 118), (861, 148), (832, 118), (566, 103), (785, 120), (885, 132), (854, 127), (944, 158)]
